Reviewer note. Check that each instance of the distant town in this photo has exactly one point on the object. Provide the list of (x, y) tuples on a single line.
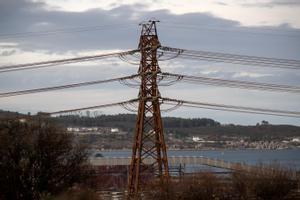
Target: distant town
[(108, 132), (106, 138)]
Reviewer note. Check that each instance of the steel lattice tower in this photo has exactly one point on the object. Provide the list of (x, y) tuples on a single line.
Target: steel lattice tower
[(149, 154)]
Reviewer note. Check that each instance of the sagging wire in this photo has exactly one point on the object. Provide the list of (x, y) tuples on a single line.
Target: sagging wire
[(131, 107), (235, 83), (235, 58), (135, 84), (233, 108), (124, 58), (176, 106), (92, 107), (162, 53), (60, 62), (169, 83), (61, 87)]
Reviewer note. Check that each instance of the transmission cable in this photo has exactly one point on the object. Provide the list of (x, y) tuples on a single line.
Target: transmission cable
[(60, 61), (231, 108), (234, 83), (81, 84), (63, 31), (268, 32), (94, 107), (232, 58), (235, 59)]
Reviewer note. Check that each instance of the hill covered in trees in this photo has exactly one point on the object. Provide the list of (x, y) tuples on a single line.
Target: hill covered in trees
[(127, 121), (181, 127)]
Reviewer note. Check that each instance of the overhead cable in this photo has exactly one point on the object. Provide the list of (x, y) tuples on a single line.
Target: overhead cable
[(61, 61), (234, 83), (262, 31), (81, 84), (63, 31), (232, 108), (232, 58), (94, 107)]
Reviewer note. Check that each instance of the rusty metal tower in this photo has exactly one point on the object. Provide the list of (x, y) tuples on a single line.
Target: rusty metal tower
[(149, 154)]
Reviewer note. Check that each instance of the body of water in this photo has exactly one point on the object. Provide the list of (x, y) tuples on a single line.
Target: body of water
[(286, 157)]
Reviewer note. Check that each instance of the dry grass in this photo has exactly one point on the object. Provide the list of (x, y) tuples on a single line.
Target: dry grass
[(262, 183)]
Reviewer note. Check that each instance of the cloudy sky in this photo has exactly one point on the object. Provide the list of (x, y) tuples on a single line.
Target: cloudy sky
[(31, 30)]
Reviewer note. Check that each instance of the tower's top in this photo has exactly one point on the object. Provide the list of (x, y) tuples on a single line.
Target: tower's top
[(149, 27), (149, 38)]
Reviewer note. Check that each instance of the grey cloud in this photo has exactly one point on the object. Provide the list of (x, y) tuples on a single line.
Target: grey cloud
[(286, 2), (8, 52), (8, 45), (199, 31), (274, 3), (221, 3), (207, 32)]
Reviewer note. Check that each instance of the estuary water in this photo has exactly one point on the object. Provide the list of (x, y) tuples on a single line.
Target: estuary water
[(286, 157), (289, 158)]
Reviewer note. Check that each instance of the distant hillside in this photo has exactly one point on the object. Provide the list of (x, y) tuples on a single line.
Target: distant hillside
[(180, 127), (127, 121), (258, 132), (8, 114)]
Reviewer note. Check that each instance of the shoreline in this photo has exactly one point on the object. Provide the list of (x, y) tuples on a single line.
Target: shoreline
[(213, 149)]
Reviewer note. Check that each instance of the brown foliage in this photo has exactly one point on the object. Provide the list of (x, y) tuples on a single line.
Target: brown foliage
[(75, 194), (159, 190), (202, 186), (266, 182), (261, 183)]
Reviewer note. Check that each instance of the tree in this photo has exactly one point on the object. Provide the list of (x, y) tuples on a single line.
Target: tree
[(264, 122), (37, 158)]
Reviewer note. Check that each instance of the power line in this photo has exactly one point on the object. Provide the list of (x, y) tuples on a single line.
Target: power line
[(234, 83), (239, 61), (46, 89), (94, 107), (232, 108), (243, 30), (233, 58), (63, 31), (51, 63)]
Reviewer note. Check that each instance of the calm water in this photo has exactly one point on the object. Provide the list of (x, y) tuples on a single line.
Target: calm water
[(286, 157)]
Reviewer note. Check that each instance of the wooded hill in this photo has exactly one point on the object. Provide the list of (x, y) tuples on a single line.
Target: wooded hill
[(180, 127)]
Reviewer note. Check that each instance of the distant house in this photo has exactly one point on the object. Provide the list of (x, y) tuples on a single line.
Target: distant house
[(197, 139), (296, 140), (90, 129), (73, 129), (114, 130), (22, 120)]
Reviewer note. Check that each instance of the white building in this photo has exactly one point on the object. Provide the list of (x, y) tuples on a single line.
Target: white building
[(73, 129), (197, 139), (296, 140), (114, 130)]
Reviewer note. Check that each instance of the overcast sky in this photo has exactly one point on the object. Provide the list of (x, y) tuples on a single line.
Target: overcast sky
[(269, 28)]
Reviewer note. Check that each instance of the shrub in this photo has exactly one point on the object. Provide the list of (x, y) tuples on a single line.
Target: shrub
[(36, 158)]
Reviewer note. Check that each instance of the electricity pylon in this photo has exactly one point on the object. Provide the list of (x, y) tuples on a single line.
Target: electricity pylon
[(149, 154)]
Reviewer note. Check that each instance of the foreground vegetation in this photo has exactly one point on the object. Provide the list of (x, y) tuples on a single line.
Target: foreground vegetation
[(40, 160), (37, 159), (275, 184)]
